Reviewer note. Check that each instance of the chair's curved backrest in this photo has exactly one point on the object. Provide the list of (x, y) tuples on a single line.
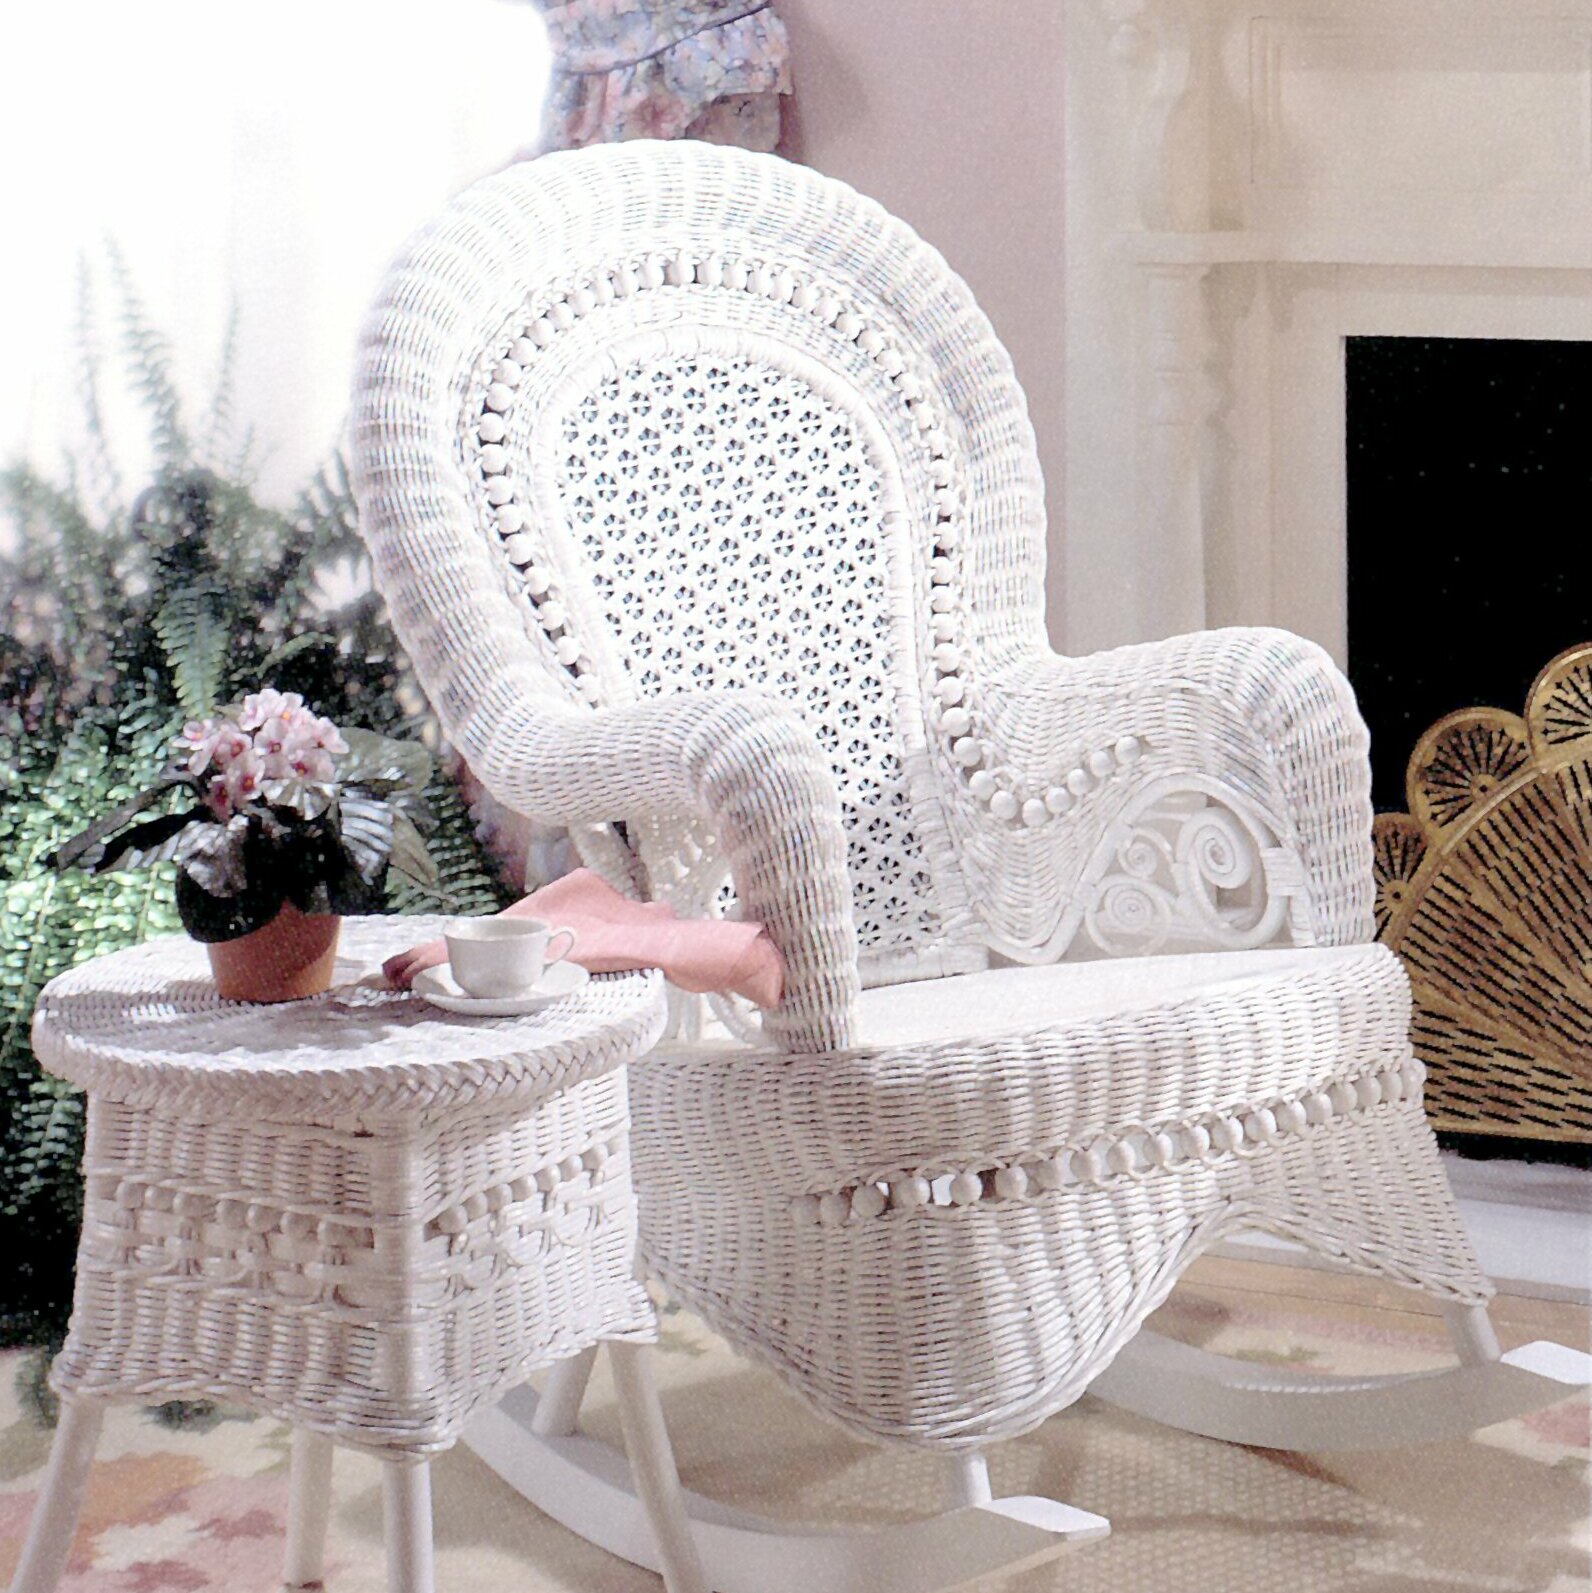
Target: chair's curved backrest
[(729, 424)]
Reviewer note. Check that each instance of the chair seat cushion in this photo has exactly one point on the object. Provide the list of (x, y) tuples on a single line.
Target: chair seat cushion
[(980, 1006)]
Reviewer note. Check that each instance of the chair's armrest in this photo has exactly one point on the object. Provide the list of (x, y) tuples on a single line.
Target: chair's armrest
[(1262, 716), (746, 765)]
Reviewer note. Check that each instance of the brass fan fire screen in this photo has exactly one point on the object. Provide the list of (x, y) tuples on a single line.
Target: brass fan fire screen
[(1484, 888)]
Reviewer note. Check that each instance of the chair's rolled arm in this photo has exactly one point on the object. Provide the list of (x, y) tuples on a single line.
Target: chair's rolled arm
[(747, 765), (744, 763)]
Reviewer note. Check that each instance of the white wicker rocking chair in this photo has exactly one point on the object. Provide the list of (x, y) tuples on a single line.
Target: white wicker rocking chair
[(706, 504)]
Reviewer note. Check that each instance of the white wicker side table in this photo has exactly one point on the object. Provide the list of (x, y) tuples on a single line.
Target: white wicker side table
[(358, 1213)]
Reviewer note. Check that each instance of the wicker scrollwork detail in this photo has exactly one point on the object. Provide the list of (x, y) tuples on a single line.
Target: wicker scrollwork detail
[(1189, 872)]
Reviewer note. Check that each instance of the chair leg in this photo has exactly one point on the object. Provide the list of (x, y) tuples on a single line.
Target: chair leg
[(652, 1466), (406, 1526), (967, 1480), (55, 1516), (309, 1509), (1471, 1330), (558, 1409)]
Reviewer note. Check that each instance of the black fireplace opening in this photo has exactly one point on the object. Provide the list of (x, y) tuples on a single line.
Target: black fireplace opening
[(1469, 528), (1469, 555)]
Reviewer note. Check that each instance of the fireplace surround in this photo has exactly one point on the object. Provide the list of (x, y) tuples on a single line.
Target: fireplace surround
[(1469, 496), (1248, 188)]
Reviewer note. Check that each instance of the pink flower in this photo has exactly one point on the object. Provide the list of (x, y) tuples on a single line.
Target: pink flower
[(329, 737), (268, 704), (210, 741), (312, 763), (241, 777), (294, 747), (275, 743), (274, 736), (231, 745), (198, 740)]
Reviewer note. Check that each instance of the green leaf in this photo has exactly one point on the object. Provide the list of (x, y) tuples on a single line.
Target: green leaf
[(194, 633), (378, 762), (223, 395), (163, 840), (409, 855), (414, 807), (366, 825), (87, 849), (211, 918), (291, 649), (212, 855), (307, 798), (149, 367), (349, 893)]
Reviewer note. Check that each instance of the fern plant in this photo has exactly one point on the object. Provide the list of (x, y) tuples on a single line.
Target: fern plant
[(118, 622)]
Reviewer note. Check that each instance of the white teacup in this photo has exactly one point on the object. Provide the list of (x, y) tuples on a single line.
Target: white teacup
[(502, 956)]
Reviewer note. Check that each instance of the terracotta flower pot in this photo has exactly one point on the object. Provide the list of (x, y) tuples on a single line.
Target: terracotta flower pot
[(284, 960)]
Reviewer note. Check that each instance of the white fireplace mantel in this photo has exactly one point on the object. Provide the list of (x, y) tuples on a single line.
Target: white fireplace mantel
[(1247, 188)]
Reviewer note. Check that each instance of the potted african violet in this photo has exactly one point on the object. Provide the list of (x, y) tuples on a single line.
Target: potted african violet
[(293, 823)]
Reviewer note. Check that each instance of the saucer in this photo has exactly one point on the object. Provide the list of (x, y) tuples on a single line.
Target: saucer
[(437, 986)]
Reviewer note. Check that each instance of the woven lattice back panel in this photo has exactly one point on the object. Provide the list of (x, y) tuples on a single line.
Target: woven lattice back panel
[(725, 522), (731, 426), (1484, 888)]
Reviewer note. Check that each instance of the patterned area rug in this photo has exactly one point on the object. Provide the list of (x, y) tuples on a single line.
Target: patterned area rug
[(193, 1499)]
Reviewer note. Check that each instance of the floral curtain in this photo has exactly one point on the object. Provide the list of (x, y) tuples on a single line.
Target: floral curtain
[(709, 69)]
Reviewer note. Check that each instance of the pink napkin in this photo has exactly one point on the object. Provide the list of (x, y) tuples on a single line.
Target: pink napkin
[(613, 933)]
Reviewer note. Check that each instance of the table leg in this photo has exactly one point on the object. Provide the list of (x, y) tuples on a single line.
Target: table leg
[(652, 1466), (558, 1410), (406, 1523), (55, 1515), (309, 1508)]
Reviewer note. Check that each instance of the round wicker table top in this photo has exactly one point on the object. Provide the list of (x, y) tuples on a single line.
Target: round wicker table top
[(145, 1027)]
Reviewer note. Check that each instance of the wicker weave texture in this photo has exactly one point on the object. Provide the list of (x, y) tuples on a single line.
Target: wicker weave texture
[(706, 503), (944, 1244), (702, 492), (146, 1027), (371, 1228)]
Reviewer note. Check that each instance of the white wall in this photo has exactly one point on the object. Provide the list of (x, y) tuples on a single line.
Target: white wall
[(949, 113), (281, 155), (275, 156), (1247, 187)]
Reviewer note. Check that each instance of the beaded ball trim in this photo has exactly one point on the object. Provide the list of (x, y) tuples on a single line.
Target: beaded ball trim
[(953, 709), (538, 1188), (1132, 1152)]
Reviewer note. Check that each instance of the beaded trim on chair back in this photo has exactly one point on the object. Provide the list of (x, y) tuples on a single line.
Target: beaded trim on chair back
[(729, 425), (716, 467)]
